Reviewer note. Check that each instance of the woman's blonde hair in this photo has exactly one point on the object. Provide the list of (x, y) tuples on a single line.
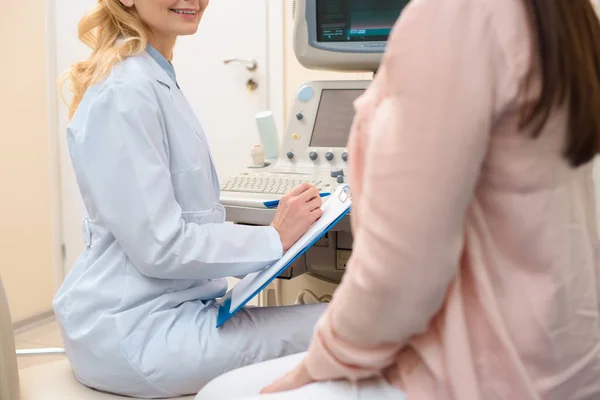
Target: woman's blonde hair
[(113, 32)]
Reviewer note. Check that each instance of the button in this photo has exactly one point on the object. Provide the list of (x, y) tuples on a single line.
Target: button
[(345, 156), (290, 155), (296, 136), (313, 155), (337, 172), (329, 156), (340, 179), (300, 116), (305, 93)]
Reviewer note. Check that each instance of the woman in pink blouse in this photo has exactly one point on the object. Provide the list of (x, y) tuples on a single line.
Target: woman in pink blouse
[(474, 274)]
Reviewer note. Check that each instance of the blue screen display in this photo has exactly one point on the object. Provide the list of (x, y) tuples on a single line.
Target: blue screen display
[(357, 20)]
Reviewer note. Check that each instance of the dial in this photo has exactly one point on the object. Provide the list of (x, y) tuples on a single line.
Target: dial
[(337, 172)]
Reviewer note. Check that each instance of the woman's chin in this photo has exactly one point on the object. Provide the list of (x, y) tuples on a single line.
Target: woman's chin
[(187, 31)]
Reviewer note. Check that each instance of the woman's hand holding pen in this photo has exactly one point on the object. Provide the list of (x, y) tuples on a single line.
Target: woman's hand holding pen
[(296, 212)]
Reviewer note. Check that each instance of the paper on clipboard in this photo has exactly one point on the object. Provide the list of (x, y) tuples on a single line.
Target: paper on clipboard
[(334, 208)]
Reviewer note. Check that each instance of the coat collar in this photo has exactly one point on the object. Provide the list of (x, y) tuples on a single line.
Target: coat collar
[(163, 63), (157, 72)]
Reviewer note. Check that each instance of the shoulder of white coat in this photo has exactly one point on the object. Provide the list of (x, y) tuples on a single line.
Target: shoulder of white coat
[(128, 86), (133, 71), (130, 78)]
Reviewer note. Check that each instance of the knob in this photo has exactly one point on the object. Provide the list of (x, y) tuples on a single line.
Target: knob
[(252, 85), (345, 156), (306, 93), (300, 116), (290, 155), (313, 155), (337, 172), (340, 179), (329, 156)]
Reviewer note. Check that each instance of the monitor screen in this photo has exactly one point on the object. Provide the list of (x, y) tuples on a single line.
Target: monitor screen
[(334, 117), (357, 20)]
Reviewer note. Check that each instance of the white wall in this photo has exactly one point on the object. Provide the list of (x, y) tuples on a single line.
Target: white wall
[(26, 246)]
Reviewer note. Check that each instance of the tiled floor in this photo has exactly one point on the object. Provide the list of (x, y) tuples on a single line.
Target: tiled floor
[(46, 335)]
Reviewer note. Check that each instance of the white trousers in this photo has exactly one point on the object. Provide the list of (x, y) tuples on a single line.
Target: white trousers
[(178, 351), (247, 382)]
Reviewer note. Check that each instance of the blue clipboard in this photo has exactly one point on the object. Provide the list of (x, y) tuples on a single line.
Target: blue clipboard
[(225, 311)]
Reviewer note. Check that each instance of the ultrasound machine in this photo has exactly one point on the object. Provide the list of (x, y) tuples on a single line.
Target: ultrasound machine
[(337, 35)]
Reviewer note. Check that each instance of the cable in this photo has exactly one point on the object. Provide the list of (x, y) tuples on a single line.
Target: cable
[(303, 293), (313, 297), (325, 298)]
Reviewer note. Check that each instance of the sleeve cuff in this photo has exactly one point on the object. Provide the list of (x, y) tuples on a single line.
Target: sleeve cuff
[(276, 248)]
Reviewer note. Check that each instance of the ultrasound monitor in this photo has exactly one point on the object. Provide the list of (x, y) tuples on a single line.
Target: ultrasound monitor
[(340, 35)]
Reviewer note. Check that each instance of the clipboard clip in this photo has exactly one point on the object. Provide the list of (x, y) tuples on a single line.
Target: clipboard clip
[(345, 194)]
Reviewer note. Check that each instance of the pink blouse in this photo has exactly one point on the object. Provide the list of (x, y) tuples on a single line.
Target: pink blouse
[(475, 271)]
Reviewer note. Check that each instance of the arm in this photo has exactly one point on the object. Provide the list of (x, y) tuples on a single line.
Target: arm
[(122, 162), (425, 148)]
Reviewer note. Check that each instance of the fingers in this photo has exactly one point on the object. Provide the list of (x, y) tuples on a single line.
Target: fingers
[(316, 214), (315, 203), (305, 192), (292, 380), (298, 190), (309, 194)]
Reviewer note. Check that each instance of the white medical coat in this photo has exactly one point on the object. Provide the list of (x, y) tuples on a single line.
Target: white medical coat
[(137, 309)]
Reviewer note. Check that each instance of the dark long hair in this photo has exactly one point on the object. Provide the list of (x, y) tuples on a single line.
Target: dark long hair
[(568, 41)]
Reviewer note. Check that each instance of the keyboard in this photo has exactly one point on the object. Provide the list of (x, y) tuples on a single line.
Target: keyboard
[(268, 183)]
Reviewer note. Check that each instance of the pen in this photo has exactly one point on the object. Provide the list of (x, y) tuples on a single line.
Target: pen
[(275, 203)]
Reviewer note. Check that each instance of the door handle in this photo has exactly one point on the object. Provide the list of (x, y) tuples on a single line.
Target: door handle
[(250, 64)]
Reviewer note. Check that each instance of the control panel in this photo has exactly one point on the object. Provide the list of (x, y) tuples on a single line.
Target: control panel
[(318, 128), (313, 147)]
